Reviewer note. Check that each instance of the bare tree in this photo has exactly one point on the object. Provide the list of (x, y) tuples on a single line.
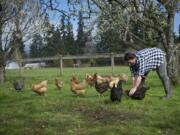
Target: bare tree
[(19, 21), (6, 14)]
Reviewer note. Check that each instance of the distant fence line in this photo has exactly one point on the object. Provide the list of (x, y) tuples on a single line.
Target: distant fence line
[(95, 56), (61, 58)]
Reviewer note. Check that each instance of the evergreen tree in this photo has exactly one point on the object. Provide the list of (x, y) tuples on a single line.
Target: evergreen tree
[(108, 44), (109, 40), (63, 31), (50, 47), (70, 38), (36, 48), (177, 36), (59, 43), (53, 43), (58, 40), (81, 36)]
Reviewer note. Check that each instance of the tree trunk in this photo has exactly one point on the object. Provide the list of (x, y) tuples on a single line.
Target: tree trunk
[(172, 58), (2, 74), (172, 67), (2, 68)]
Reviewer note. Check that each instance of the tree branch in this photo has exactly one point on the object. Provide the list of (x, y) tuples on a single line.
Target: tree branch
[(50, 5)]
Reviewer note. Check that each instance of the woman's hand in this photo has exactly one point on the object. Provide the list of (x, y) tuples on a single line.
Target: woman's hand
[(136, 82), (132, 91)]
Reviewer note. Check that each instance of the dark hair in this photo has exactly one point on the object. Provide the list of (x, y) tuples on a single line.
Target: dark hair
[(129, 56)]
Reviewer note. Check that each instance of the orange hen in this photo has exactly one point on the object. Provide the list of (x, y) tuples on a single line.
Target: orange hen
[(40, 88), (78, 88)]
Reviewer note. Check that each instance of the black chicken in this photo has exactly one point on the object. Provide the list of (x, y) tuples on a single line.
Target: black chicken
[(141, 91), (116, 92), (18, 85), (101, 87)]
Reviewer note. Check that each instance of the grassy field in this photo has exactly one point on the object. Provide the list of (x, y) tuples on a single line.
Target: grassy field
[(63, 113)]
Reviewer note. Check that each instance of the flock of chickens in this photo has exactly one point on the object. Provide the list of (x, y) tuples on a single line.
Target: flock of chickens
[(100, 83)]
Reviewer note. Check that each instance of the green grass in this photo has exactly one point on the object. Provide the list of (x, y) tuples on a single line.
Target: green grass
[(63, 113)]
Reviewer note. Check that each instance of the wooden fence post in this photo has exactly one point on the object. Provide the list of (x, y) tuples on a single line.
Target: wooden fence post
[(61, 65), (91, 61), (112, 64)]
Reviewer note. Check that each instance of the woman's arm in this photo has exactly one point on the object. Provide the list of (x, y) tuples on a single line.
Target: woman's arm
[(135, 82)]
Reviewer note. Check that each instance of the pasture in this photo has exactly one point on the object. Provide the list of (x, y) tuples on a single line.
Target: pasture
[(63, 113)]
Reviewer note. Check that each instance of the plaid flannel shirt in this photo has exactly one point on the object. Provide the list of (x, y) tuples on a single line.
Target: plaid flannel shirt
[(147, 59)]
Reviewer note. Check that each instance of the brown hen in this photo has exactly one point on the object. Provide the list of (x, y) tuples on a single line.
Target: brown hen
[(40, 88), (59, 84), (78, 88)]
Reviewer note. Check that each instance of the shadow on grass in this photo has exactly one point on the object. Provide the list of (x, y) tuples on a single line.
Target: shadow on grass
[(104, 115)]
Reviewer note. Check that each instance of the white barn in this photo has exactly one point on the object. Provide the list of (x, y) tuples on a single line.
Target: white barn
[(12, 65), (34, 65)]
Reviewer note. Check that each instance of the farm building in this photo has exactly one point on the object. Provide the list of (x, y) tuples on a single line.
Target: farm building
[(34, 65), (12, 65)]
